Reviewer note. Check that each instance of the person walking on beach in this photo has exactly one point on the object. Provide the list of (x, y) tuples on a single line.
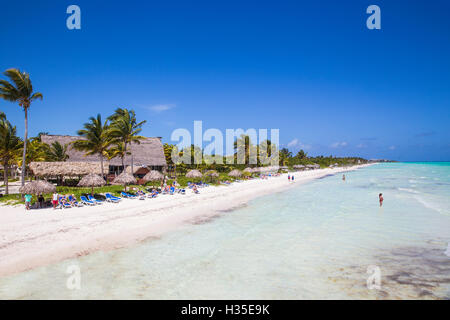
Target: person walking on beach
[(289, 177), (292, 178), (380, 197), (28, 198), (54, 199)]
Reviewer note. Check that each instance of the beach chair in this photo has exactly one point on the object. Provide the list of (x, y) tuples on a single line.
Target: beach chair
[(75, 202), (91, 198), (85, 201), (127, 195), (64, 205), (172, 190), (111, 198)]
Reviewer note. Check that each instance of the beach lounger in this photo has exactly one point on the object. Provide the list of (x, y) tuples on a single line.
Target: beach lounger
[(127, 195), (91, 198), (111, 198), (85, 201), (75, 202), (64, 205)]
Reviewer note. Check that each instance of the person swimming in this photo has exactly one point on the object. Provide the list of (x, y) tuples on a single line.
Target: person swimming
[(380, 197)]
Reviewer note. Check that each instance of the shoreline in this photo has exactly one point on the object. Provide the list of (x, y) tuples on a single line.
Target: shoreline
[(41, 237)]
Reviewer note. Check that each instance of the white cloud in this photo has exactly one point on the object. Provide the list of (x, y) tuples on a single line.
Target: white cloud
[(339, 144), (392, 148), (296, 143), (161, 107), (293, 143)]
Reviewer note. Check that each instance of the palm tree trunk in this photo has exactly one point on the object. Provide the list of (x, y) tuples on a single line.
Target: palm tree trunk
[(101, 164), (24, 146), (124, 153), (5, 177), (132, 171)]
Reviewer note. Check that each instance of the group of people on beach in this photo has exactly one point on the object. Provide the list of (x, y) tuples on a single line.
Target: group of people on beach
[(291, 178)]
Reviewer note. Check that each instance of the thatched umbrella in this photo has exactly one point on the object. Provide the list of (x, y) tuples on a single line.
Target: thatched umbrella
[(235, 173), (249, 170), (212, 174), (194, 174), (38, 187), (91, 180), (153, 176), (124, 178)]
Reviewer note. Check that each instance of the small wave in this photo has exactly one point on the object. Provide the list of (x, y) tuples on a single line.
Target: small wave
[(408, 190), (429, 205)]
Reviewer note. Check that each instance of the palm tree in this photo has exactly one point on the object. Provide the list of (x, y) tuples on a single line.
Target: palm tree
[(96, 139), (57, 152), (125, 129), (243, 147), (285, 156), (10, 147), (20, 90), (118, 150)]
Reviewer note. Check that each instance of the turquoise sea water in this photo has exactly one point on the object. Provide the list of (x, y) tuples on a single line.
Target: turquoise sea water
[(314, 241)]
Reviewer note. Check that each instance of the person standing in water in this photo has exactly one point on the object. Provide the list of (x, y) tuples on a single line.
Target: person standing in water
[(380, 197), (343, 177), (289, 177)]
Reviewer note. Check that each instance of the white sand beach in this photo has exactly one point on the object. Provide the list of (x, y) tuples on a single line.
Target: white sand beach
[(29, 239)]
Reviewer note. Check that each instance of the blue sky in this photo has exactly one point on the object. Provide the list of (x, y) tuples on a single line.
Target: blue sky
[(309, 68)]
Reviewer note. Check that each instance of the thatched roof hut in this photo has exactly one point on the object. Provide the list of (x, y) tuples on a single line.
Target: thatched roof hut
[(124, 178), (37, 187), (153, 176), (235, 173), (149, 152), (68, 169), (194, 174)]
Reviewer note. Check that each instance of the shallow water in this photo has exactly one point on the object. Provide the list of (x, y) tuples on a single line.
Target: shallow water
[(314, 241)]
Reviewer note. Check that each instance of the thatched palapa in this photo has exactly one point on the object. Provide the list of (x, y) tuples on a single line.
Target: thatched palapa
[(37, 187), (124, 178), (68, 169), (194, 174), (92, 180), (235, 173), (212, 174), (153, 176)]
